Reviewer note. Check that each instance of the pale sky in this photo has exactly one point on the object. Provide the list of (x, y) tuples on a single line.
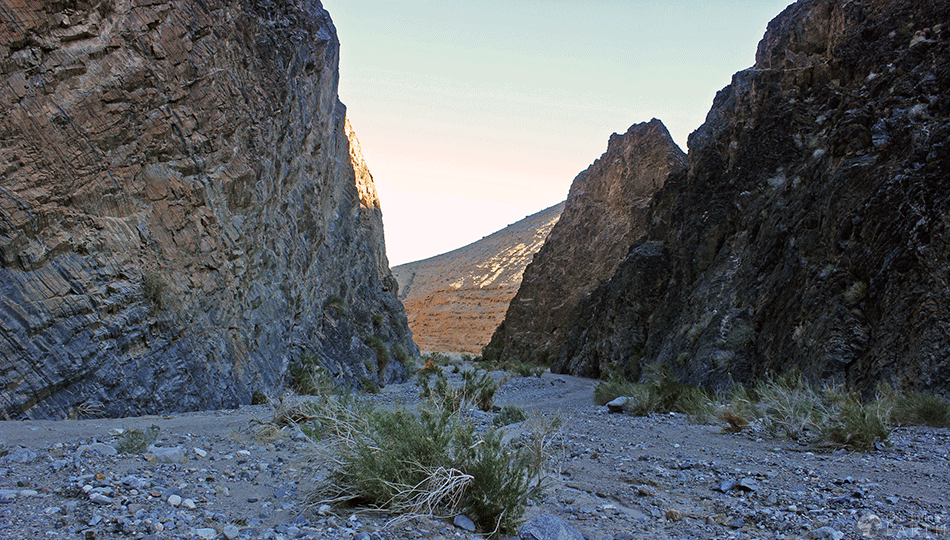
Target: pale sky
[(473, 114)]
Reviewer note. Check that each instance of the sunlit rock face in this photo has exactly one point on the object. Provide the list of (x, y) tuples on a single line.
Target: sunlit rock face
[(811, 230), (604, 214), (454, 301), (180, 198)]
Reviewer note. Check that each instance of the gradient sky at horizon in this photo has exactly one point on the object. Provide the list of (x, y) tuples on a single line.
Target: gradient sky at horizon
[(474, 114)]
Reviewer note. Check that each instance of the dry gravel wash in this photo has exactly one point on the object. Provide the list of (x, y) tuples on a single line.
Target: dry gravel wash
[(617, 477)]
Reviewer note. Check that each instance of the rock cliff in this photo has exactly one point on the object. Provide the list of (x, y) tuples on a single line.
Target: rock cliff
[(454, 301), (812, 229), (183, 207), (603, 215)]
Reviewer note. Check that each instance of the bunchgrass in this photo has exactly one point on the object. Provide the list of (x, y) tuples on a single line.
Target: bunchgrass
[(430, 462), (136, 441)]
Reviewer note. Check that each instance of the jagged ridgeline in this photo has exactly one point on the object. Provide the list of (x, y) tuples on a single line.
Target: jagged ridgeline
[(184, 210), (810, 230)]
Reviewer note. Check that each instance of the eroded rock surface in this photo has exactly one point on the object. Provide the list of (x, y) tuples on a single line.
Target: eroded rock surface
[(811, 230), (180, 198), (604, 214), (454, 301)]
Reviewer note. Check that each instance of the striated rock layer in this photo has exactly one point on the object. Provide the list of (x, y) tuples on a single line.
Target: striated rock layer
[(180, 198), (812, 230), (454, 301), (603, 215)]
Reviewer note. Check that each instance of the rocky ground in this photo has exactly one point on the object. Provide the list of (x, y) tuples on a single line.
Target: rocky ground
[(226, 474)]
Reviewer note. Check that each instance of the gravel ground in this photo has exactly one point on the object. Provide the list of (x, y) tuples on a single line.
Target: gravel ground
[(212, 475)]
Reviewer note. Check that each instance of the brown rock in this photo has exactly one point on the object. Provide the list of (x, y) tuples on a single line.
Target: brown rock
[(454, 301)]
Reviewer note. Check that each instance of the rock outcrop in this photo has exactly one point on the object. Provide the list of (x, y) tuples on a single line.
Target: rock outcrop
[(604, 214), (454, 301), (812, 230), (183, 208)]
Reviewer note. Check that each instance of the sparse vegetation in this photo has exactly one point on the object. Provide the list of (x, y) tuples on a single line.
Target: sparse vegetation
[(509, 414), (154, 288), (429, 462), (915, 408), (382, 354), (336, 304), (136, 441), (476, 390), (660, 393), (259, 398), (308, 377)]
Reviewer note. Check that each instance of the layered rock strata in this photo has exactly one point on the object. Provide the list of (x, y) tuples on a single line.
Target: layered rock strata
[(183, 208), (812, 231), (604, 214), (454, 301)]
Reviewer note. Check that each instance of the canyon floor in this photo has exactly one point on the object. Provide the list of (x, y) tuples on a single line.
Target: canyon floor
[(229, 474)]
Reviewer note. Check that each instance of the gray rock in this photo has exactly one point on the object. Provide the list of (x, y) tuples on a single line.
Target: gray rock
[(747, 484), (230, 532), (826, 533), (464, 523), (548, 527), (617, 405), (99, 498), (206, 533), (96, 448), (166, 455), (726, 486), (21, 455)]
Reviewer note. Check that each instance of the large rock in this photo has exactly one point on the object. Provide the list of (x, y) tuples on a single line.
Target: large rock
[(603, 215), (183, 207), (454, 301), (811, 230)]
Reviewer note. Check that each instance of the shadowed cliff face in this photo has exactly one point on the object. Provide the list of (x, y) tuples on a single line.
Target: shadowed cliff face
[(180, 197), (603, 215), (811, 230)]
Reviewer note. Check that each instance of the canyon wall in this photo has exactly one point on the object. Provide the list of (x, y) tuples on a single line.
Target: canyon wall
[(604, 214), (454, 301), (183, 208), (812, 229)]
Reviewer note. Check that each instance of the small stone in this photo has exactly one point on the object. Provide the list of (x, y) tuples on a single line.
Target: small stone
[(674, 515), (189, 504), (747, 484), (826, 532), (99, 498), (28, 493), (21, 455), (737, 523), (871, 526), (547, 526), (725, 486), (174, 500), (206, 533), (464, 523), (893, 500), (324, 509), (96, 448), (230, 532), (166, 455), (362, 536), (201, 453)]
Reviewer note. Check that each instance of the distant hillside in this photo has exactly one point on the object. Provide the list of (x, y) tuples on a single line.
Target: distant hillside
[(455, 300)]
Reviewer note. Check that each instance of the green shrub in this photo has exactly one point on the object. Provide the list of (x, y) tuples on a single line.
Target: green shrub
[(382, 353), (154, 287), (432, 462), (509, 414), (476, 390), (336, 304), (918, 408), (401, 354), (136, 441), (308, 377), (607, 391), (259, 398), (855, 424)]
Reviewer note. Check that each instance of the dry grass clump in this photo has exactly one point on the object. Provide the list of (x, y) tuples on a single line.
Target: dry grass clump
[(478, 390), (430, 462), (136, 441), (660, 392)]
